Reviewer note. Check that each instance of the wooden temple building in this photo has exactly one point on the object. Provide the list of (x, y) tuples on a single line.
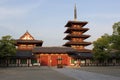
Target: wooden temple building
[(24, 45), (73, 52)]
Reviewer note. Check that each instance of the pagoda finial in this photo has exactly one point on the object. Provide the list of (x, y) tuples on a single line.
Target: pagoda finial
[(75, 13)]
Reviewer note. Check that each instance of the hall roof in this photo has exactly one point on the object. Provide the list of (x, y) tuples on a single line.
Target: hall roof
[(83, 55), (53, 50), (29, 41)]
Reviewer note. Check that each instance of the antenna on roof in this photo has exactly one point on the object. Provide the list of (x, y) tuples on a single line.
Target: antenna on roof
[(75, 13)]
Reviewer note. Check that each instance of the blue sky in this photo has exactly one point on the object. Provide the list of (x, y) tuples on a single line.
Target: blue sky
[(45, 19)]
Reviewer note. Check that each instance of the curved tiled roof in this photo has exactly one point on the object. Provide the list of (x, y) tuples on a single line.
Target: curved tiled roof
[(83, 55), (69, 30), (29, 41), (37, 42), (77, 43), (53, 50), (85, 50), (76, 36), (69, 23)]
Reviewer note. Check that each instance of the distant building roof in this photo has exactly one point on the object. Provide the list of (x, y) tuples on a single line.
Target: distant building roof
[(53, 50), (83, 55)]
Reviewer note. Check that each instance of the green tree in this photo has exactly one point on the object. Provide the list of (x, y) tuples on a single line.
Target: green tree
[(102, 48), (7, 46), (116, 28), (116, 39), (108, 45)]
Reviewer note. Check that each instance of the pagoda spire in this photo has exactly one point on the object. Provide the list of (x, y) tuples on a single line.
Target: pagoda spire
[(75, 13)]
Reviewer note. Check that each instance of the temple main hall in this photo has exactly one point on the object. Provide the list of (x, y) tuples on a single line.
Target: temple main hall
[(72, 53), (30, 51)]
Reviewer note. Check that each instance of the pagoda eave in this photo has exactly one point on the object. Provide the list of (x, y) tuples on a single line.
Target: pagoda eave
[(77, 43), (68, 37), (69, 30), (83, 23)]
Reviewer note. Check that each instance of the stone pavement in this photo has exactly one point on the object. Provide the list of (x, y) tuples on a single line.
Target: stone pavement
[(47, 73), (85, 75), (32, 73), (109, 70)]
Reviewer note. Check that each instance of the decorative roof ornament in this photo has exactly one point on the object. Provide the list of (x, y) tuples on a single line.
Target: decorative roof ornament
[(75, 13)]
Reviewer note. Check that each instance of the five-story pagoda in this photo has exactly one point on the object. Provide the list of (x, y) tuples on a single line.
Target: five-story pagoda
[(76, 35)]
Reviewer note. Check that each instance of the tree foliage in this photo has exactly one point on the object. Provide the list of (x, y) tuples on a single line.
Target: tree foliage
[(116, 28), (7, 46), (116, 39), (101, 48), (108, 43)]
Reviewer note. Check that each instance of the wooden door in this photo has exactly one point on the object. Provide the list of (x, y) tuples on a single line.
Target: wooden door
[(64, 59), (44, 60), (54, 60)]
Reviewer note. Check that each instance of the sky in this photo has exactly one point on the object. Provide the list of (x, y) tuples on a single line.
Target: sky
[(45, 19)]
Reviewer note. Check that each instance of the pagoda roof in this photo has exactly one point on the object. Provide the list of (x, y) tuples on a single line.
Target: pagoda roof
[(70, 29), (77, 43), (76, 36), (69, 23), (53, 50)]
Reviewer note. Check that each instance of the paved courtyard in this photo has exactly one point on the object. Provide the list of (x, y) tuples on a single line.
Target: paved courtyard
[(47, 73), (31, 73), (110, 70), (92, 73)]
